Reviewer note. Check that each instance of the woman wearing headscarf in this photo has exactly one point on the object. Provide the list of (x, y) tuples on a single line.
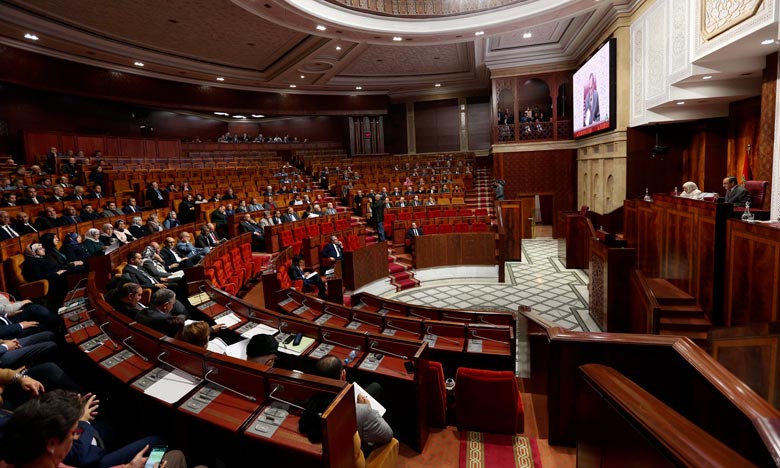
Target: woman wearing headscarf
[(187, 210), (107, 235), (61, 258), (92, 242), (153, 224), (690, 190), (36, 267), (73, 249), (121, 233)]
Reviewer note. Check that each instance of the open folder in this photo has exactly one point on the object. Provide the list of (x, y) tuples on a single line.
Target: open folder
[(374, 404)]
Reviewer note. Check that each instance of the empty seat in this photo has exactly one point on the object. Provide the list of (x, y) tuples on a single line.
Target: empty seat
[(461, 227), (501, 413), (445, 228)]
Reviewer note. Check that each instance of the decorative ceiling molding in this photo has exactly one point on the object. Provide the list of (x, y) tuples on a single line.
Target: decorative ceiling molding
[(718, 16)]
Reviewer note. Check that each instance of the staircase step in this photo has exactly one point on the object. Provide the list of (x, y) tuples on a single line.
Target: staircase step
[(687, 323), (668, 294), (685, 311), (396, 268)]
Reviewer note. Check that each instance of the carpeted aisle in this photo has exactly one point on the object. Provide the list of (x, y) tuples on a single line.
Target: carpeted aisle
[(480, 450)]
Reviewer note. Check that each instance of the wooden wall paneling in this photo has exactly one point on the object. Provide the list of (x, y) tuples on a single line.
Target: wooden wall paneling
[(38, 144), (707, 274), (754, 360), (90, 144), (648, 240), (679, 228), (745, 124), (610, 271), (112, 146), (150, 149), (131, 148), (436, 126), (552, 171), (761, 157), (479, 122), (752, 273), (168, 148)]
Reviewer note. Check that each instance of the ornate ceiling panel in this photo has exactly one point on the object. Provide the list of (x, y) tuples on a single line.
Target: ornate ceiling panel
[(397, 60)]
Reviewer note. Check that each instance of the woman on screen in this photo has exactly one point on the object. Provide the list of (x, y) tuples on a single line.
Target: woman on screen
[(591, 108)]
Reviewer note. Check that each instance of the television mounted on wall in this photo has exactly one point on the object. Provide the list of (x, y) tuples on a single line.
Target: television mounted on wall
[(594, 99)]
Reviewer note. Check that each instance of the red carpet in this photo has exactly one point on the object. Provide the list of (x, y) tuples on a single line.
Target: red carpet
[(480, 450)]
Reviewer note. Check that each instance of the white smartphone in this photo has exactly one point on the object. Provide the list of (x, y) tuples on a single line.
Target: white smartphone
[(156, 456)]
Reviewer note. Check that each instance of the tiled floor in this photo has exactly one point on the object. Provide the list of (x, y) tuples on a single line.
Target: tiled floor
[(539, 281)]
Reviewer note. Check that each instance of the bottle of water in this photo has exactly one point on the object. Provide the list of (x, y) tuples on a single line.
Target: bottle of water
[(747, 215), (676, 193), (350, 357), (648, 198)]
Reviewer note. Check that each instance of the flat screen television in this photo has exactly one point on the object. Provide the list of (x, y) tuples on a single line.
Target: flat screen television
[(594, 92)]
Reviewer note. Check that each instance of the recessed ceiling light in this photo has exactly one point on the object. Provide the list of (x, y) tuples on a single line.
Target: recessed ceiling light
[(258, 116), (680, 103), (303, 76), (31, 37), (239, 116), (767, 41), (138, 64), (321, 27), (479, 33), (706, 77), (221, 113), (142, 126), (358, 88), (398, 38), (338, 47), (293, 86), (219, 78), (437, 85), (527, 35)]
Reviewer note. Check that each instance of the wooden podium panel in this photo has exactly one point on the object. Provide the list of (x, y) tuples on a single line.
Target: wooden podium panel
[(477, 248), (610, 272), (364, 265)]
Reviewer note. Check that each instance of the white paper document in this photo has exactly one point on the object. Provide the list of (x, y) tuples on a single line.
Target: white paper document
[(228, 319), (173, 386), (237, 350), (260, 329), (217, 345), (374, 404)]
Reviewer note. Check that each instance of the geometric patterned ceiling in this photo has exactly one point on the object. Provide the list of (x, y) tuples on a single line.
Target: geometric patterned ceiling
[(274, 45)]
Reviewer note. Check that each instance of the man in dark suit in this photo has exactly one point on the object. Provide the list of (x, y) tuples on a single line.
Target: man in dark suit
[(22, 225), (416, 201), (309, 279), (220, 217), (135, 272), (229, 195), (58, 195), (291, 216), (48, 220), (249, 225), (378, 216), (735, 193), (131, 207), (414, 231), (69, 216), (6, 230), (173, 261), (155, 196), (137, 229), (160, 316), (205, 238), (31, 197), (9, 199), (334, 250), (97, 193), (111, 210)]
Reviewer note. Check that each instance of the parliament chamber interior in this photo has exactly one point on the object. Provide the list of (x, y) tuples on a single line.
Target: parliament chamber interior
[(408, 234)]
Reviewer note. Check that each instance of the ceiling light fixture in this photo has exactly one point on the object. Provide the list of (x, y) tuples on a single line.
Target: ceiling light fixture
[(706, 77), (479, 33), (31, 37), (321, 27), (338, 47), (398, 38), (239, 116), (527, 35), (258, 116), (221, 113), (358, 88), (680, 103), (219, 78), (767, 41), (437, 85), (303, 76), (138, 64), (293, 86)]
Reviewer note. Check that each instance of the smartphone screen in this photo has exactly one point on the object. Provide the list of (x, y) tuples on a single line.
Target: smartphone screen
[(155, 458)]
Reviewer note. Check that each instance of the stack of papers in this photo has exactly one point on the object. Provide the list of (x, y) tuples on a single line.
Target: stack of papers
[(173, 386)]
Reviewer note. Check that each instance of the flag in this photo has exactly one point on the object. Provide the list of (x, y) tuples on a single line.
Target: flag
[(746, 173)]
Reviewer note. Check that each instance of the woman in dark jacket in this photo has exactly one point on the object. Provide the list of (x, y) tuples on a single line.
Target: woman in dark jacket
[(60, 258), (73, 249), (187, 210)]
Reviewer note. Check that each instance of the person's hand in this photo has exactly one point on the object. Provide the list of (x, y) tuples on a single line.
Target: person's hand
[(219, 326), (91, 404), (160, 286), (139, 460), (28, 324), (11, 344), (24, 303), (77, 263), (31, 386), (363, 400), (332, 259)]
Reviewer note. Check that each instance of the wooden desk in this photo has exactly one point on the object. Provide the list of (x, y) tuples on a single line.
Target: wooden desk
[(364, 265), (610, 271)]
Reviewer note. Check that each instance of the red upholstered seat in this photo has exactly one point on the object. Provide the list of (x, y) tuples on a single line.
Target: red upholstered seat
[(434, 213), (757, 190), (435, 395), (256, 260), (313, 230), (466, 212), (389, 218), (352, 243), (481, 212), (405, 216), (501, 413), (431, 229), (286, 238), (445, 228), (450, 213), (461, 227), (342, 224), (326, 228), (479, 227)]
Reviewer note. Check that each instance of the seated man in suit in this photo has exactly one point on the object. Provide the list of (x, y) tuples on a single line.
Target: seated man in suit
[(97, 193), (111, 210), (155, 195), (414, 231), (333, 250), (9, 199), (309, 279), (173, 261), (126, 299), (137, 274), (88, 213), (291, 215), (22, 225), (137, 228), (48, 219), (249, 225), (131, 207), (185, 247), (735, 193), (69, 216), (6, 230), (220, 218), (206, 238), (159, 315), (31, 197)]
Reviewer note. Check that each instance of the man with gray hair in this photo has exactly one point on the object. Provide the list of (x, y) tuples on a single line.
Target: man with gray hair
[(158, 315)]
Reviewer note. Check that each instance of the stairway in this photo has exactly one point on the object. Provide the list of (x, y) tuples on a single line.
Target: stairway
[(401, 275), (679, 313), (481, 196)]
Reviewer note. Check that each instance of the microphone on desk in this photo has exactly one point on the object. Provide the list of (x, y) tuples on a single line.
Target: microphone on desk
[(429, 332)]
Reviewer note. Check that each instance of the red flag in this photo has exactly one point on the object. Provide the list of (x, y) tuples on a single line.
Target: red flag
[(746, 172)]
